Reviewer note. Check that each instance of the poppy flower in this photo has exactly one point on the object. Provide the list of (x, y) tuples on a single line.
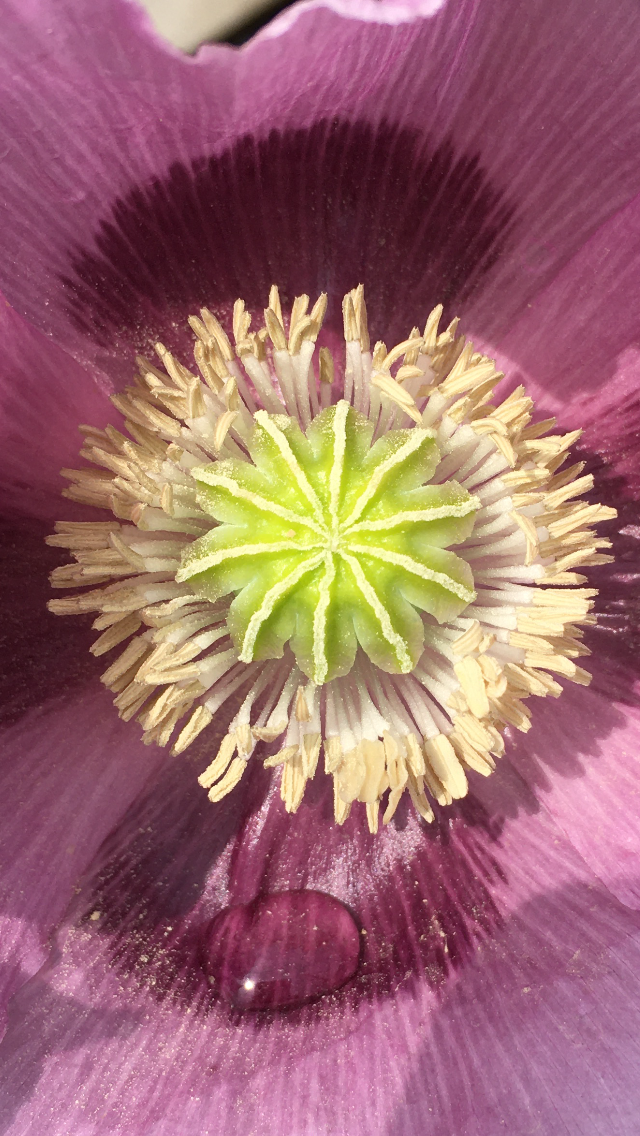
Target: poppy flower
[(178, 964)]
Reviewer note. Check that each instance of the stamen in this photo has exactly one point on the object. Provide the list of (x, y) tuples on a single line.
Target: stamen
[(272, 536)]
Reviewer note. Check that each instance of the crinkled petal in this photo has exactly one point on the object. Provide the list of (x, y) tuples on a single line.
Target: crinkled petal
[(93, 103), (118, 1034), (576, 344), (69, 770), (43, 656), (576, 351), (44, 396), (486, 142), (582, 760), (541, 1033)]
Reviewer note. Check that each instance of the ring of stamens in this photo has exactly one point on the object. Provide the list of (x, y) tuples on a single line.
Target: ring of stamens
[(444, 710)]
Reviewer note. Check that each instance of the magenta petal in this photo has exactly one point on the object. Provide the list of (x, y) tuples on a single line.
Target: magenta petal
[(113, 1034), (100, 105), (227, 226), (43, 657), (522, 134), (69, 771), (496, 985), (576, 351), (44, 396), (576, 345), (589, 783), (541, 1033)]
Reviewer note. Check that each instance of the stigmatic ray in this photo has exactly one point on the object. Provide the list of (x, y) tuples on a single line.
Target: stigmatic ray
[(375, 559)]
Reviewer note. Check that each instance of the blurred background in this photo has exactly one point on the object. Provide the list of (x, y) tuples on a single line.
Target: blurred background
[(188, 23)]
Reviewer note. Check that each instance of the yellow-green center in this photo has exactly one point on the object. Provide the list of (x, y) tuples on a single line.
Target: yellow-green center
[(329, 542)]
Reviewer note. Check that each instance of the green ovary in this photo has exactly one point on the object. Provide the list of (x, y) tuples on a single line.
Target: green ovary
[(329, 542)]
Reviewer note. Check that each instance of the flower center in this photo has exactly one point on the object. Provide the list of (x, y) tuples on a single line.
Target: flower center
[(280, 532), (331, 542)]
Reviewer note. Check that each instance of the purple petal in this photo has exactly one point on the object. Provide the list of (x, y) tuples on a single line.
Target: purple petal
[(176, 857), (576, 351), (120, 1031), (516, 152), (44, 657), (119, 1034), (44, 396), (541, 1033), (587, 777), (576, 344), (100, 105), (69, 771)]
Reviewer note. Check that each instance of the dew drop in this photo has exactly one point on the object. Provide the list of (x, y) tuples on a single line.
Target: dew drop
[(280, 950)]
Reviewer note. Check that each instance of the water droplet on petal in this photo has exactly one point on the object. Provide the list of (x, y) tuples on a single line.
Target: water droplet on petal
[(280, 950)]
